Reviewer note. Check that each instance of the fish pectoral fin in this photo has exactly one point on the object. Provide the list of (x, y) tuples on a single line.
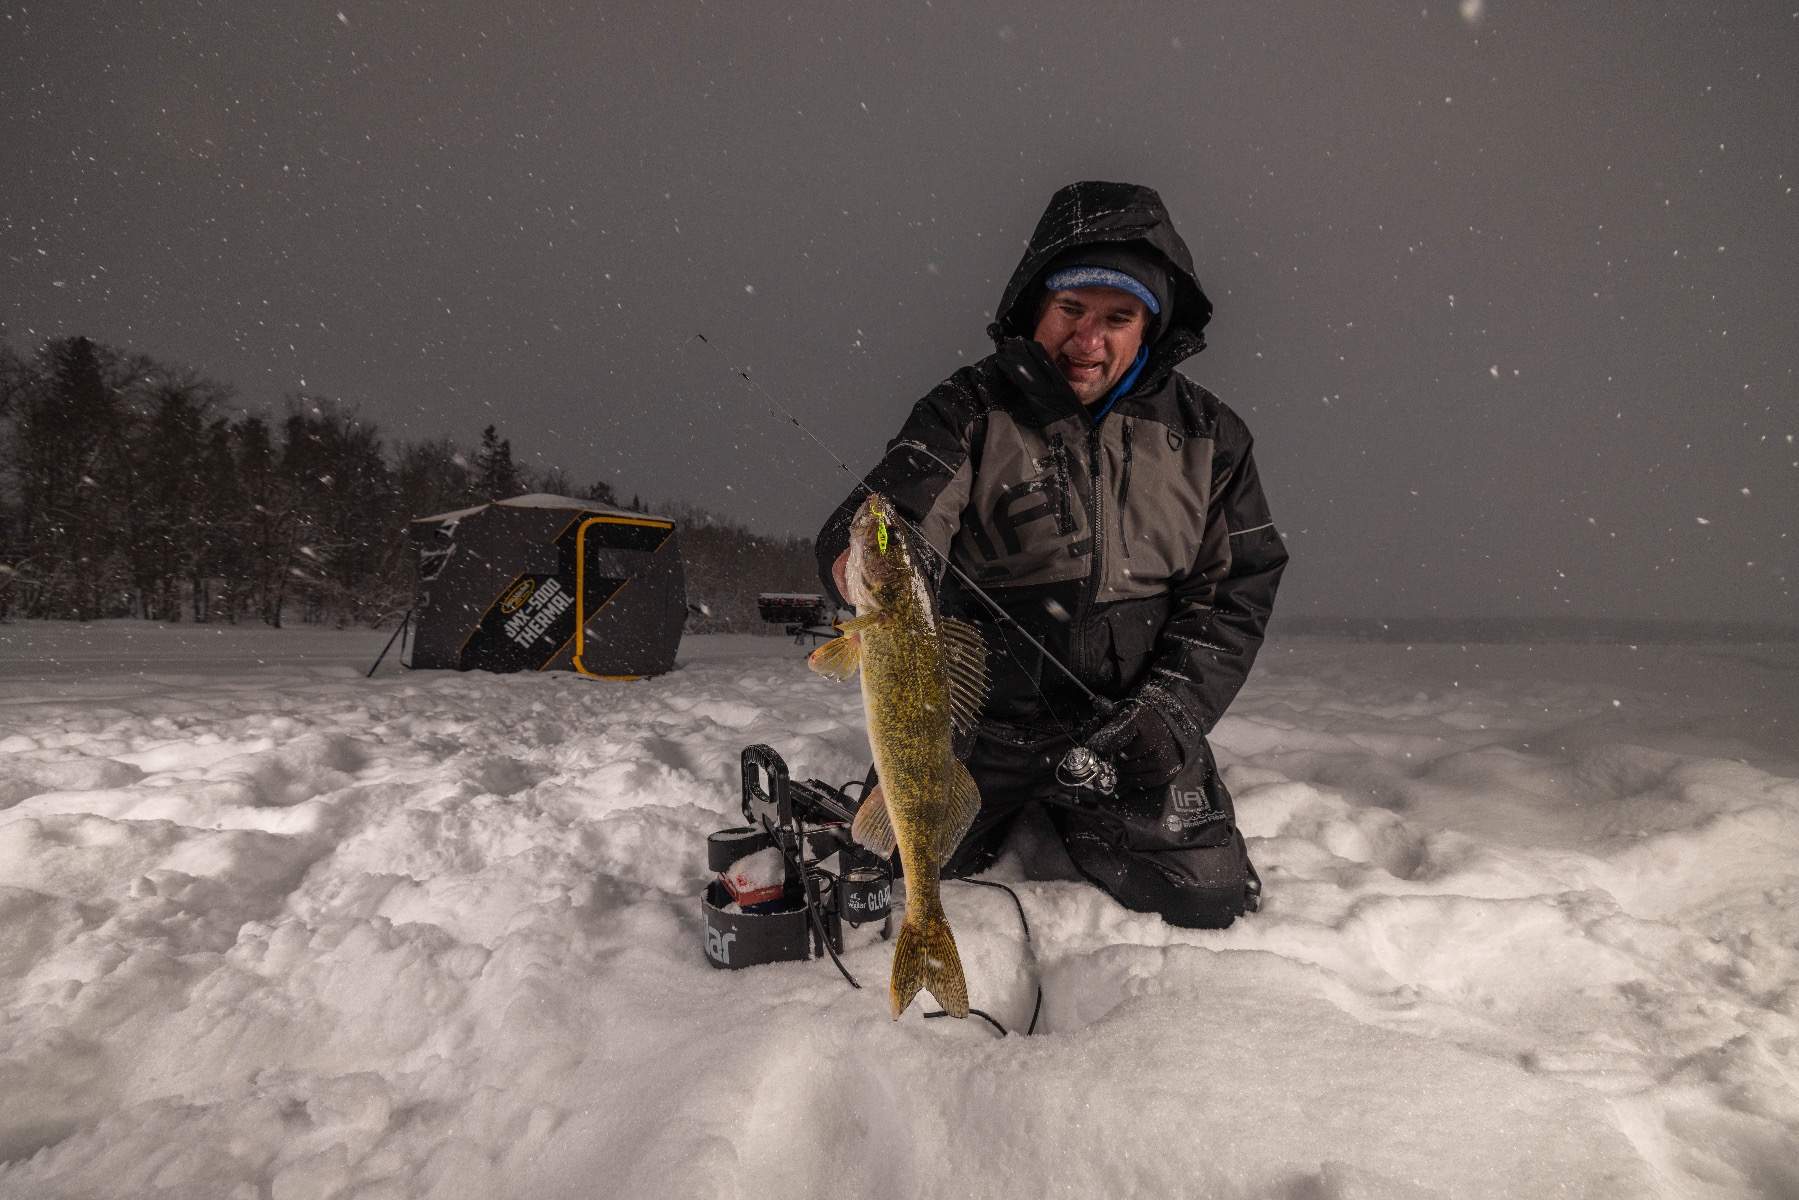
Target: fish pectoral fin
[(873, 826), (964, 804), (865, 621), (838, 658), (965, 664)]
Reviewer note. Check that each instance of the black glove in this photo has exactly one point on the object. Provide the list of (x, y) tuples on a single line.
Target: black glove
[(1150, 755), (1140, 744)]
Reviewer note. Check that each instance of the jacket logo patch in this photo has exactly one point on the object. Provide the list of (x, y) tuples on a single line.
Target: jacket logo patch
[(1008, 519), (1186, 808)]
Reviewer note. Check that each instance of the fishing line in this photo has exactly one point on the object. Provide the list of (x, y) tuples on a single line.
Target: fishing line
[(1001, 616), (670, 354), (1102, 707), (744, 374)]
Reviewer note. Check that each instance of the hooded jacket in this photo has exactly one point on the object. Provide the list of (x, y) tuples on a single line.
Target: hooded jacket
[(1137, 547)]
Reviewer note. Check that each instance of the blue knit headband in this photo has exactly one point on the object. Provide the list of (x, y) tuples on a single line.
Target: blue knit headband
[(1070, 278)]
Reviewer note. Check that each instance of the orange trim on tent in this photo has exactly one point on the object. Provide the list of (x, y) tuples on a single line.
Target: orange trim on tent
[(581, 584)]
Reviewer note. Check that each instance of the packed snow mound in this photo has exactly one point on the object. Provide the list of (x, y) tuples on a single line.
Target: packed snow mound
[(268, 929)]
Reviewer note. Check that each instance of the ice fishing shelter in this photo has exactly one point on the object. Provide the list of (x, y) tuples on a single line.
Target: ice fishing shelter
[(547, 583)]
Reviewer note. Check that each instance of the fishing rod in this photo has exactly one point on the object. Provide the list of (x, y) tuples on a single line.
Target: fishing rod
[(1082, 766), (1101, 705)]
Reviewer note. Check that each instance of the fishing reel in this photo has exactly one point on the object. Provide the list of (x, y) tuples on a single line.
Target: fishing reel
[(787, 883), (1082, 768)]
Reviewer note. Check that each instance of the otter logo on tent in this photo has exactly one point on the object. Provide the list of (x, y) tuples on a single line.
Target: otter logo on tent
[(515, 599)]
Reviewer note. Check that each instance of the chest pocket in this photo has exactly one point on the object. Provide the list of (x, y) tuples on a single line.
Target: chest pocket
[(1025, 518), (1164, 483)]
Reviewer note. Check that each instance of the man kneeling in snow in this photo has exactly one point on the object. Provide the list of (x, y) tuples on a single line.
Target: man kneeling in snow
[(1111, 506)]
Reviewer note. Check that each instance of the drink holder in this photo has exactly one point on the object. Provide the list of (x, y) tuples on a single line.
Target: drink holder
[(739, 939)]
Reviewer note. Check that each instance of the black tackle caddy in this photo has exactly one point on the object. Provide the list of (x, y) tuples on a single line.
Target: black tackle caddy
[(830, 881)]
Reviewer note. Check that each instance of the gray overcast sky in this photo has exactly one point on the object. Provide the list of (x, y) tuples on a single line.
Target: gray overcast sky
[(1507, 293)]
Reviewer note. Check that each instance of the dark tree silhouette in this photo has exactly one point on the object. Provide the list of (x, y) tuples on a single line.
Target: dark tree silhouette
[(498, 477), (129, 487), (66, 447)]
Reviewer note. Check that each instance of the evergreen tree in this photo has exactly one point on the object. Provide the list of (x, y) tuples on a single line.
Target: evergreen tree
[(16, 375), (162, 493), (221, 518), (497, 476), (334, 463), (433, 477), (67, 432), (271, 525)]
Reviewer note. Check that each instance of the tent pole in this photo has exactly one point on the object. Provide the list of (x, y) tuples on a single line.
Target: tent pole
[(404, 622)]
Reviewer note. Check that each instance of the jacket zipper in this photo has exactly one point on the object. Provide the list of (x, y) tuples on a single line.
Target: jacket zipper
[(1096, 517), (1124, 489), (1064, 506)]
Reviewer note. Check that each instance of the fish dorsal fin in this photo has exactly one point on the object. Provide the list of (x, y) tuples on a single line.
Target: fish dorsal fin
[(838, 658), (873, 826), (959, 814), (965, 662)]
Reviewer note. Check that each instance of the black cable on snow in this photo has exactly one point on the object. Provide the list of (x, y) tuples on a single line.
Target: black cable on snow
[(1037, 1008), (973, 1012), (811, 906)]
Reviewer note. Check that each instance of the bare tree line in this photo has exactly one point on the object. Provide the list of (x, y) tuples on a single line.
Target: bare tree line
[(133, 488)]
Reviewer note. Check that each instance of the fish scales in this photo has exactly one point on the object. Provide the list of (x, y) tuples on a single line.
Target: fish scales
[(926, 799), (906, 696)]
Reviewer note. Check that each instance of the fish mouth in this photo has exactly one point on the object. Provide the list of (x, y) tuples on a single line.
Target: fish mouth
[(870, 516), (877, 550)]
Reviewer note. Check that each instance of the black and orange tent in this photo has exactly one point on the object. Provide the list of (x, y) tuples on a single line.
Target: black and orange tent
[(546, 583)]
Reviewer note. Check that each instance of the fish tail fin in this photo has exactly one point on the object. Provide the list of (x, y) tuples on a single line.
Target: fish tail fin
[(925, 957)]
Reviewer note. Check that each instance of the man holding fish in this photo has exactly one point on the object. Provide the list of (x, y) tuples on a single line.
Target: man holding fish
[(1111, 507)]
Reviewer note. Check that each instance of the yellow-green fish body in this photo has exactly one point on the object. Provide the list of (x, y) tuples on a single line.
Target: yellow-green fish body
[(922, 678)]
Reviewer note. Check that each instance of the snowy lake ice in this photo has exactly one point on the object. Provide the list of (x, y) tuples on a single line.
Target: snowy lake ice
[(269, 929)]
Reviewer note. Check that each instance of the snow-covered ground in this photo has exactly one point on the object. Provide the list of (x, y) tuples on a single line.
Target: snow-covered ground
[(268, 929)]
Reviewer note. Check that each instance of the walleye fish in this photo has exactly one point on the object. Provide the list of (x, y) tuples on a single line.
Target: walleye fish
[(924, 679)]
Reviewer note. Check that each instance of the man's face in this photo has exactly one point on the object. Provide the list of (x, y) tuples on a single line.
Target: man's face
[(1092, 335)]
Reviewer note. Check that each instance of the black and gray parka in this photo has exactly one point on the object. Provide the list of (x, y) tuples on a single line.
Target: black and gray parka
[(1138, 548)]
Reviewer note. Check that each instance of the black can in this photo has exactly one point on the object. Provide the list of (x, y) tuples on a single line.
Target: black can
[(865, 894)]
